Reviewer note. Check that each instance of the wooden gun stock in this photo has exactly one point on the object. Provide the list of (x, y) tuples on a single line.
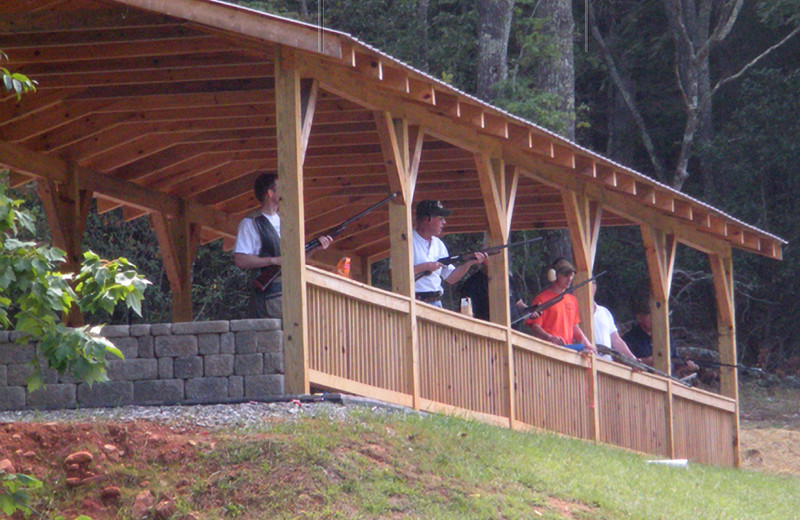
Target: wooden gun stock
[(266, 277)]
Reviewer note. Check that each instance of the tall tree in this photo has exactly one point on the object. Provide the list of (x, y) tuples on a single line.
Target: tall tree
[(555, 71), (494, 28), (696, 27), (555, 76)]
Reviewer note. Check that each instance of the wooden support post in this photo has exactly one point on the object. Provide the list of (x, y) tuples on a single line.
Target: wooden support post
[(66, 207), (499, 187), (402, 146), (659, 250), (722, 272), (583, 218), (492, 177), (289, 123), (177, 241)]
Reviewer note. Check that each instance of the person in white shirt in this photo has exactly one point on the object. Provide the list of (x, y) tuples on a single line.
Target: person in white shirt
[(258, 247), (605, 330), (429, 248)]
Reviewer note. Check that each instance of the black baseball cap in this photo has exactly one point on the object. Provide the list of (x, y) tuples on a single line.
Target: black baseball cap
[(431, 208)]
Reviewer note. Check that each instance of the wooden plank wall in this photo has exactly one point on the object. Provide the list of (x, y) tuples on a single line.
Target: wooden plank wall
[(356, 345), (355, 335), (633, 415), (459, 366), (701, 432), (552, 393)]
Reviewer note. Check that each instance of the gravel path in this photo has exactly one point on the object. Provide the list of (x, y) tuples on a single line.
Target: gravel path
[(333, 406)]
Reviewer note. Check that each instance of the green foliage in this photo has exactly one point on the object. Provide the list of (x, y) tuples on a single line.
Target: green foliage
[(758, 149), (14, 81), (536, 106), (778, 12), (14, 492), (35, 296)]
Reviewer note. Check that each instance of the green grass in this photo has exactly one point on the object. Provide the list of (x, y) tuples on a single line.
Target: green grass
[(396, 466), (439, 467)]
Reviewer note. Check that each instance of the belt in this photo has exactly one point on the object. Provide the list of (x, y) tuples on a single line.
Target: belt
[(429, 296)]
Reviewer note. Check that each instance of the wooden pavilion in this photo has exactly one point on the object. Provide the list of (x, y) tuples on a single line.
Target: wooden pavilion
[(170, 108)]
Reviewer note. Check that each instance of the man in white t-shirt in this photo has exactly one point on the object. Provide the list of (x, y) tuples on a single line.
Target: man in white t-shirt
[(428, 249), (258, 246), (605, 330)]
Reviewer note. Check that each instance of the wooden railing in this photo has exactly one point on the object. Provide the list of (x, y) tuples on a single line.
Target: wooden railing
[(360, 341)]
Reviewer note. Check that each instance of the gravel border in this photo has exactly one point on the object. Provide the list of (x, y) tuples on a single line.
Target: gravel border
[(236, 414)]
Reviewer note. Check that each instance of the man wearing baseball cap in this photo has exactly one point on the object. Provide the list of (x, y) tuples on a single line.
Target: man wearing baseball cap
[(429, 248), (560, 324)]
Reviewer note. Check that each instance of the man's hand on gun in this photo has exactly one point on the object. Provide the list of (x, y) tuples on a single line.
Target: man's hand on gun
[(427, 268), (479, 258)]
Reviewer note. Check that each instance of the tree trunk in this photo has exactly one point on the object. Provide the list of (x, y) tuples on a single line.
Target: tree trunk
[(621, 123), (494, 28), (556, 76), (422, 34), (557, 73), (695, 30)]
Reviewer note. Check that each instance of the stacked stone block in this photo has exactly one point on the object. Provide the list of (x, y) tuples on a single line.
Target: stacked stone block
[(165, 363)]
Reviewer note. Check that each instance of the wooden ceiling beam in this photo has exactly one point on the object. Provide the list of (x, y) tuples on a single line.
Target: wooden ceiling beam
[(103, 16), (208, 72), (95, 125), (248, 23), (12, 110), (63, 109), (44, 41), (140, 64), (53, 55), (134, 92), (54, 169), (231, 190), (151, 165), (216, 174), (120, 135), (136, 150)]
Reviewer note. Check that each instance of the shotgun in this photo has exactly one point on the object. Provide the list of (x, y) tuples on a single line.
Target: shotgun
[(716, 364), (634, 363), (527, 311), (269, 273), (459, 259)]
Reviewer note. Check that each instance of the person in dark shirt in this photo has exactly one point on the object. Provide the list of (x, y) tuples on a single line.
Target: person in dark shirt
[(640, 343), (476, 287)]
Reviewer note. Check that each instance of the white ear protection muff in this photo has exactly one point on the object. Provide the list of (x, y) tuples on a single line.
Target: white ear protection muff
[(552, 275)]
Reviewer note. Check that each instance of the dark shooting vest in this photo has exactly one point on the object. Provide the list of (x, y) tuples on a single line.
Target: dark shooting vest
[(270, 246)]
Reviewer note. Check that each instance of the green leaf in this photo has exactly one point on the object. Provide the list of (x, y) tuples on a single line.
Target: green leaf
[(35, 382), (29, 481)]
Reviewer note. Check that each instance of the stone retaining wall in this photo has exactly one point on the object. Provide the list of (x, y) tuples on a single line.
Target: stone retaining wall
[(165, 363)]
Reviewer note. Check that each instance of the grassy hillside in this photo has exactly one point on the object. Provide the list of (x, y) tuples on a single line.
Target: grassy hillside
[(376, 465)]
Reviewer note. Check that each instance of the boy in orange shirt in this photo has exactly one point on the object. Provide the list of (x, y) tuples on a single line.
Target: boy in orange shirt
[(560, 324)]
